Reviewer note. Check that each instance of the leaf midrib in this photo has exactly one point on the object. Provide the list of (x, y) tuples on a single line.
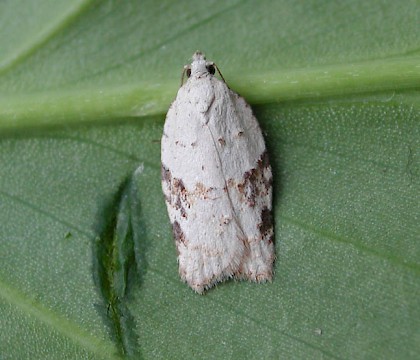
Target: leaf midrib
[(93, 105)]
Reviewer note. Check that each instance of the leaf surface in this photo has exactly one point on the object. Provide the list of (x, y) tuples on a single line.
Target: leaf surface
[(84, 87)]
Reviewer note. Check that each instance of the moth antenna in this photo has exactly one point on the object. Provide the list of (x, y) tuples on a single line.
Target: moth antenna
[(182, 75), (186, 67), (218, 70)]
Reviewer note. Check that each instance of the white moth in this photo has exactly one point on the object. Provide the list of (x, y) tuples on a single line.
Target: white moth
[(217, 183)]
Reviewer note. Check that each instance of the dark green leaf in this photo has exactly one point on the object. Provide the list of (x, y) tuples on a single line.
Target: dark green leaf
[(84, 89)]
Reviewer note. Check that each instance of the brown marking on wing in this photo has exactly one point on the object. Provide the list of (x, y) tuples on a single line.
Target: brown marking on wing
[(179, 235), (266, 225)]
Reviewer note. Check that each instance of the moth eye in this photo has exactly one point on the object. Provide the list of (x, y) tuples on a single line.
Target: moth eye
[(211, 69), (188, 72)]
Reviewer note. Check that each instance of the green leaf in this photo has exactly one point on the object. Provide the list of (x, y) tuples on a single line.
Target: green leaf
[(84, 89)]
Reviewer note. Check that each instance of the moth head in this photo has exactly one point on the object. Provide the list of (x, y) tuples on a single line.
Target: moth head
[(200, 66), (198, 56)]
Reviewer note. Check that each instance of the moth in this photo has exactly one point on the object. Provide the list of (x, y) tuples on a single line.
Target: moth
[(217, 182)]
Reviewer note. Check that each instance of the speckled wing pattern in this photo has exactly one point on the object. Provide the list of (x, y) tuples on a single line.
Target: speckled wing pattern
[(217, 184)]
